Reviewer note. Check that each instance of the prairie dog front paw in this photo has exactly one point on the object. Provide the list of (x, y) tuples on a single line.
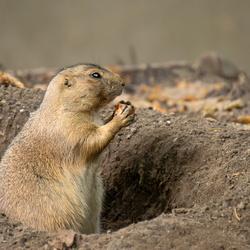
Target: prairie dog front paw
[(126, 112), (122, 106)]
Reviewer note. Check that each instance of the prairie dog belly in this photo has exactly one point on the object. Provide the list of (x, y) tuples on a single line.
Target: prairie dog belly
[(83, 194)]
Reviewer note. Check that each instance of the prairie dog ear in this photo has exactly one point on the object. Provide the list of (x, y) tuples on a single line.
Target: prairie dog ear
[(67, 82)]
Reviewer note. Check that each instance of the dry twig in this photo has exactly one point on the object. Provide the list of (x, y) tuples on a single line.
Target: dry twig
[(235, 214), (6, 78)]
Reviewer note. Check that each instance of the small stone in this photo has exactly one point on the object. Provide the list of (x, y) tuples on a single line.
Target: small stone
[(128, 136), (241, 205), (133, 130)]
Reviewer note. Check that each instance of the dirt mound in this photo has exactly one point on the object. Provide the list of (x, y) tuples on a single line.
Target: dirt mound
[(196, 171), (165, 161), (15, 107)]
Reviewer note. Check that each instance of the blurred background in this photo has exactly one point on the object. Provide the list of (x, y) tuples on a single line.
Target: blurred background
[(56, 33)]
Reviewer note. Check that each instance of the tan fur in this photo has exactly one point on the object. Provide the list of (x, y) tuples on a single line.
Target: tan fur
[(48, 175)]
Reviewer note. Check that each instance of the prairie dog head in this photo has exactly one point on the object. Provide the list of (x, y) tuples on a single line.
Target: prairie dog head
[(84, 87)]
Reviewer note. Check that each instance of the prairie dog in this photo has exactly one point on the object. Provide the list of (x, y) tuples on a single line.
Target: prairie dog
[(48, 175)]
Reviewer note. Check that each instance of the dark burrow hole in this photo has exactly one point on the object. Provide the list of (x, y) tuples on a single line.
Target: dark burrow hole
[(143, 185)]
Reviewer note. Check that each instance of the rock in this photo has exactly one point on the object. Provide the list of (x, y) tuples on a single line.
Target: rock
[(64, 239)]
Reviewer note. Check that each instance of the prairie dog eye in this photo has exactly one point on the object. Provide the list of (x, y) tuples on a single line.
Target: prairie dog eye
[(96, 75)]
